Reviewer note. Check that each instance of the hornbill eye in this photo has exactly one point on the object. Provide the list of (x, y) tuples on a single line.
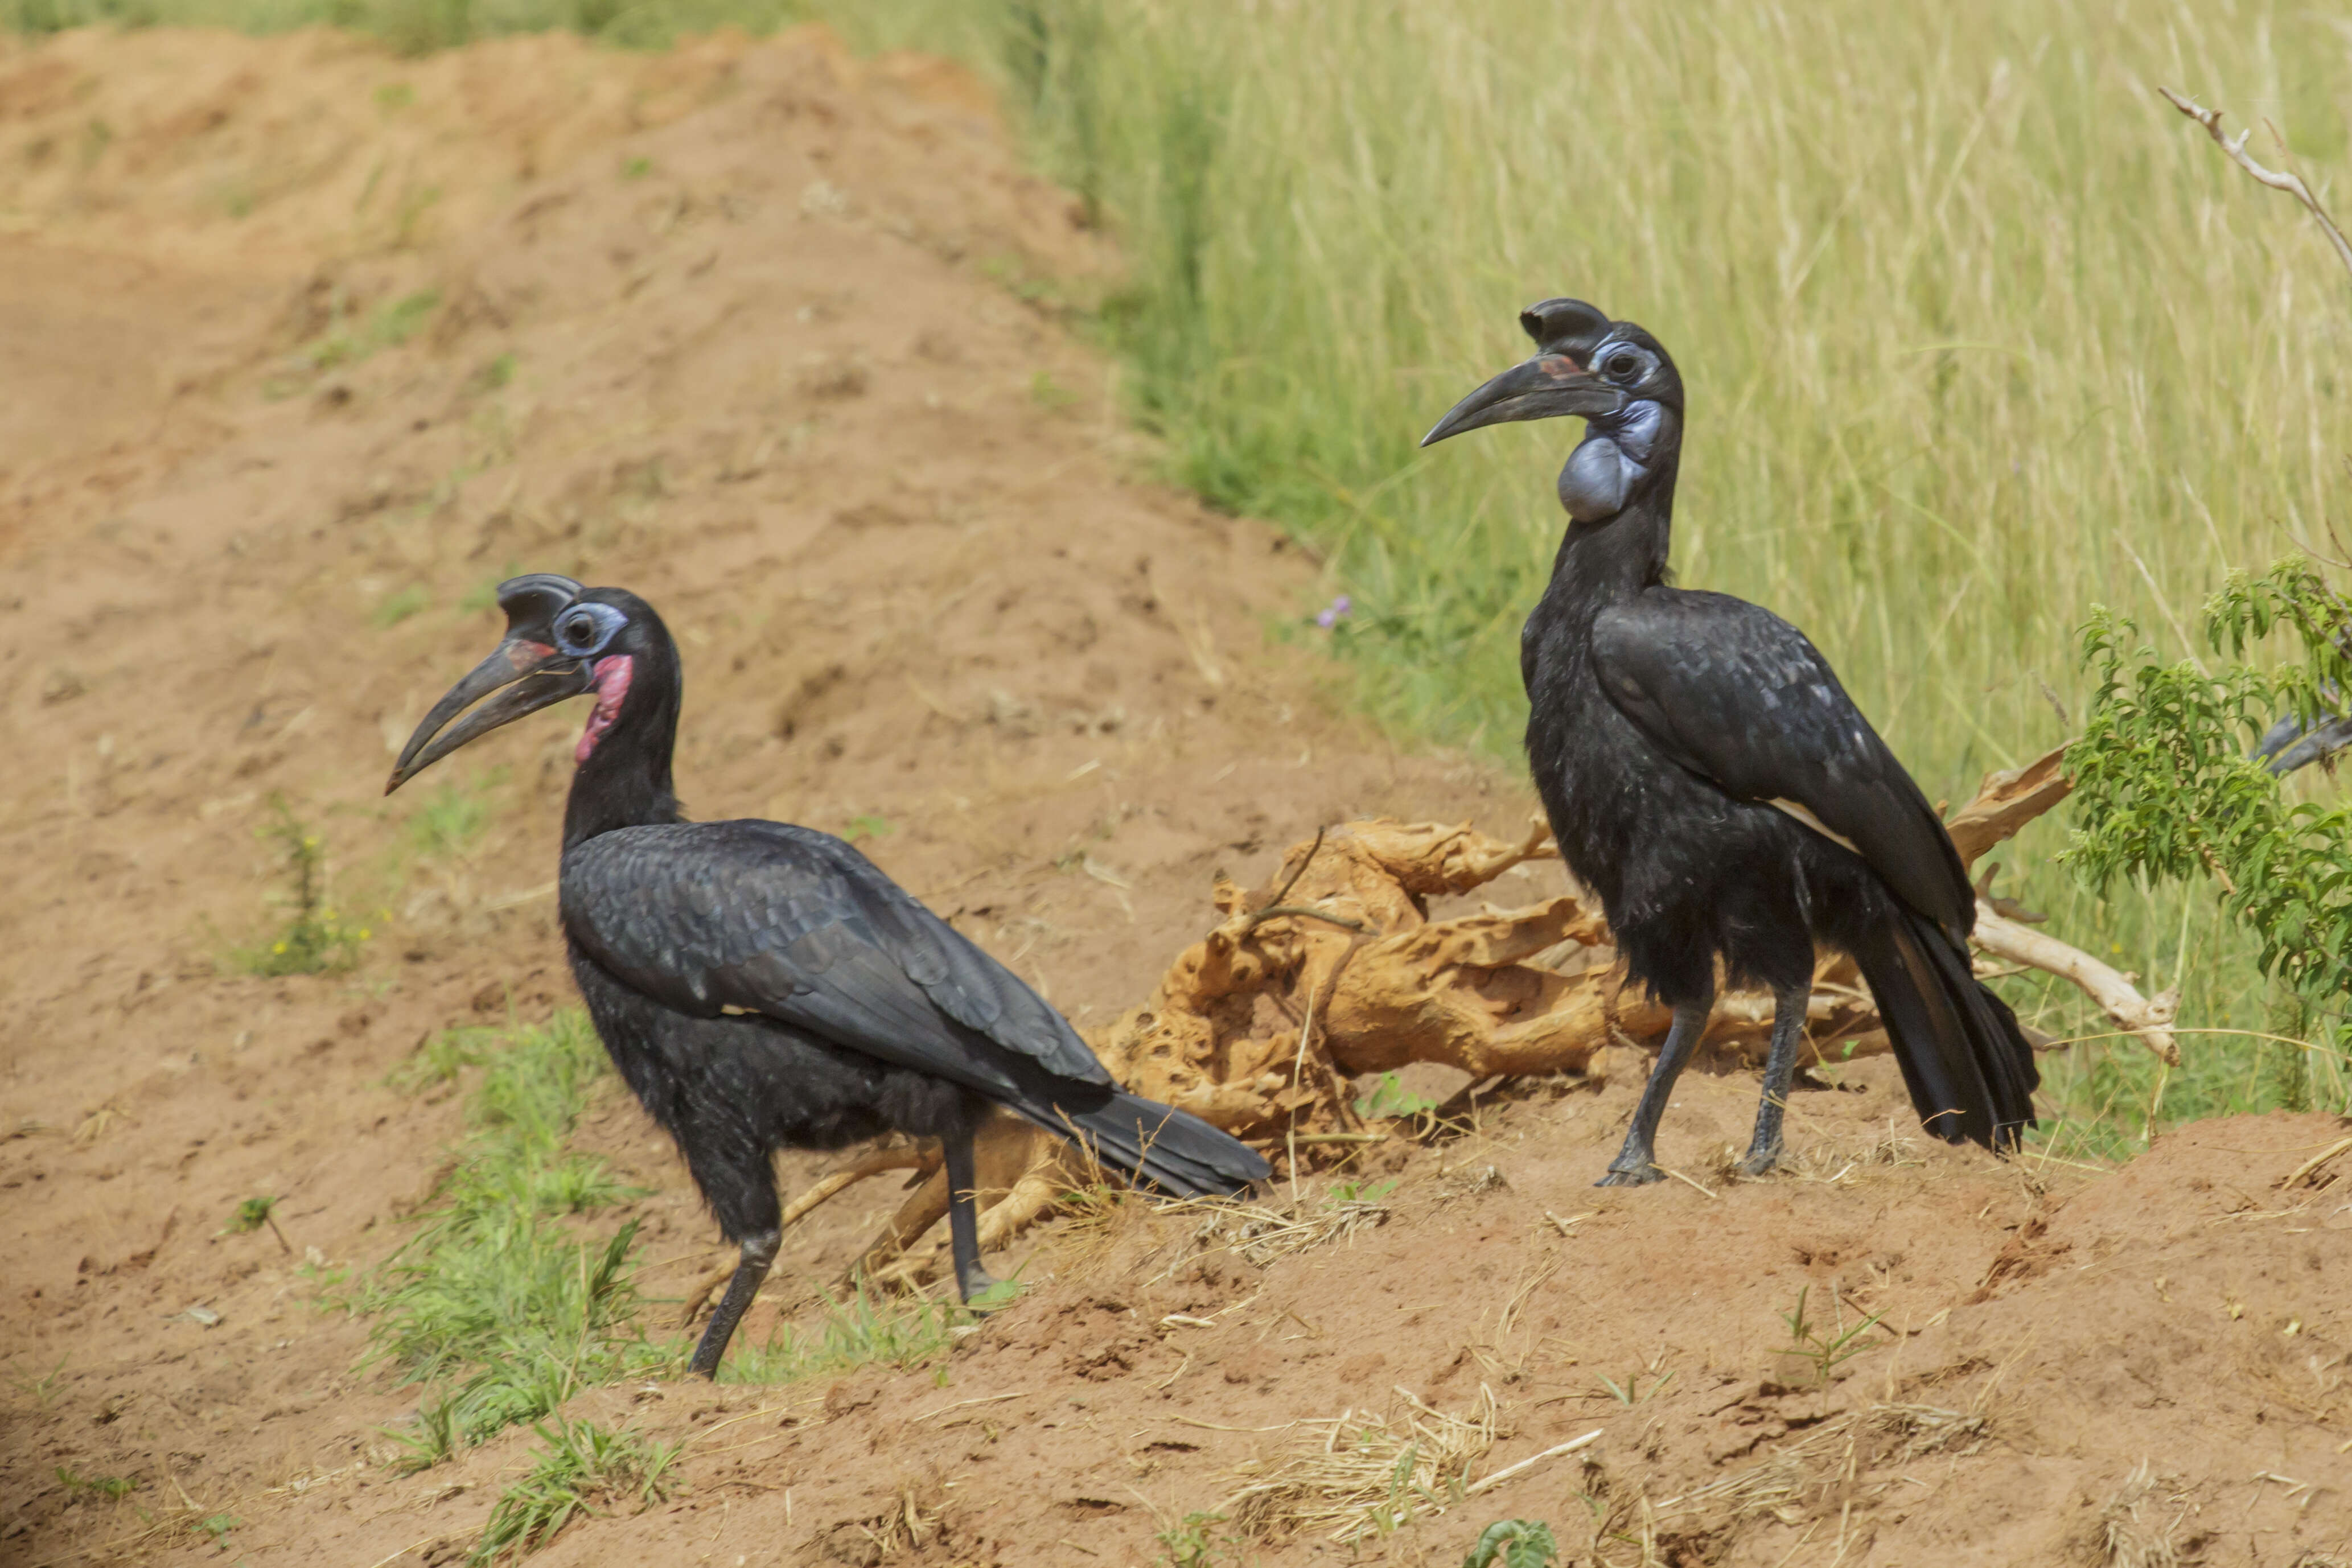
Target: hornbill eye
[(587, 629), (1622, 366)]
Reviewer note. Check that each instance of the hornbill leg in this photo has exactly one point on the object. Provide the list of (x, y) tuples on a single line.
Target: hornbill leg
[(1788, 1028), (1633, 1167), (964, 1216), (759, 1256)]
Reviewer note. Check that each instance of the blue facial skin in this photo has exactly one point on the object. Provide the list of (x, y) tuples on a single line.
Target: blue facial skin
[(1616, 456)]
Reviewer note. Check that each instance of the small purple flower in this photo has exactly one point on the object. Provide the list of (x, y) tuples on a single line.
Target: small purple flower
[(1334, 612)]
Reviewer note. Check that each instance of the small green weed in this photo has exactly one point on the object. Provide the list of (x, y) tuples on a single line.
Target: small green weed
[(1389, 1098), (1513, 1543), (109, 1487), (859, 1332), (436, 1439), (394, 96), (315, 939), (1343, 1192), (450, 820), (1821, 1349), (251, 1216), (582, 1466), (1048, 393), (636, 168), (394, 607), (349, 341), (496, 374), (43, 1390), (869, 827), (216, 1527), (442, 1057), (1197, 1542)]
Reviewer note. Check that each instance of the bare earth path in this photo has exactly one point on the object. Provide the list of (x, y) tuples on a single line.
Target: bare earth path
[(301, 346)]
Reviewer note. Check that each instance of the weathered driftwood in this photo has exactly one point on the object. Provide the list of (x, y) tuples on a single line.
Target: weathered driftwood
[(1337, 969)]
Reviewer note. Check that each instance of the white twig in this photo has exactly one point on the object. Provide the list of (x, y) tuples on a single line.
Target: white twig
[(1508, 1471), (2150, 1018), (2211, 118)]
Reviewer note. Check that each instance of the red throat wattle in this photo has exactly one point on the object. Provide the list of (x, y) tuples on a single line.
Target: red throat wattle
[(612, 687)]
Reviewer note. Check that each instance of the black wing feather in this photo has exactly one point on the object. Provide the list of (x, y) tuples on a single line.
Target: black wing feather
[(797, 925), (1732, 691)]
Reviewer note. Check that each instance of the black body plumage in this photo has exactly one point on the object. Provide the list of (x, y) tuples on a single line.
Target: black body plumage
[(760, 986), (1709, 779)]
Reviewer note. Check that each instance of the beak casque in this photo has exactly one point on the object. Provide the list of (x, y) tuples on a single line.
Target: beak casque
[(525, 661)]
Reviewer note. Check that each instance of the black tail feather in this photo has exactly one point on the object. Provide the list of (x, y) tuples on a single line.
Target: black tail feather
[(1970, 1069), (1178, 1154)]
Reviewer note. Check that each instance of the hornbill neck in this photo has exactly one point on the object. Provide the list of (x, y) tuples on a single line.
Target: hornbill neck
[(1608, 560), (624, 779)]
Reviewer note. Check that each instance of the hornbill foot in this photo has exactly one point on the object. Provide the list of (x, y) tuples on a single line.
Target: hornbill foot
[(1642, 1175), (1761, 1162), (979, 1284)]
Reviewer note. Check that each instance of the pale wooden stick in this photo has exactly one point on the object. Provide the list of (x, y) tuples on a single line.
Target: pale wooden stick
[(2150, 1018), (1508, 1471)]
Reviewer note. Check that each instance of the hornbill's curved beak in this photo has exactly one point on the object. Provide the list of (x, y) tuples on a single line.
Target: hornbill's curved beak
[(1542, 388), (525, 661)]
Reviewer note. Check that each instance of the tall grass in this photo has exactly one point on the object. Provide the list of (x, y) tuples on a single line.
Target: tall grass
[(1977, 332)]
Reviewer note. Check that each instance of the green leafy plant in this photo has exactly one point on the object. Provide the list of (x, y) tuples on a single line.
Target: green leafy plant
[(1359, 1191), (216, 1527), (1513, 1543), (1389, 1097), (251, 1216), (581, 1467), (315, 939), (2165, 791), (1818, 1348), (869, 826), (1197, 1542)]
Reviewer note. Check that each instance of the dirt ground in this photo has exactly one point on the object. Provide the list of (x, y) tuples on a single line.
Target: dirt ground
[(304, 345)]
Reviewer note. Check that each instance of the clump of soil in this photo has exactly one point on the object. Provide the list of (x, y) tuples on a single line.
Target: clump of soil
[(310, 344)]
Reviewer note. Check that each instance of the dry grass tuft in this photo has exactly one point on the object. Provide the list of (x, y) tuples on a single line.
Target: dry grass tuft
[(1888, 1148), (1260, 1233), (1828, 1469), (2128, 1537), (1364, 1475)]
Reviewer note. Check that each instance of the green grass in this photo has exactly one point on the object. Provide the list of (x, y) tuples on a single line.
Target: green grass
[(398, 606), (579, 1466), (863, 1330), (502, 1304), (451, 819), (112, 1488)]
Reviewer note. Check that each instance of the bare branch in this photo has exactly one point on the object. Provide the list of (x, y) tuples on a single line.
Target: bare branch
[(2211, 118), (2150, 1018)]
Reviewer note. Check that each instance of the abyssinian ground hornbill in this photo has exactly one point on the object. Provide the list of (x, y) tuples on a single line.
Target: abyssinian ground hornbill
[(1707, 777), (762, 985)]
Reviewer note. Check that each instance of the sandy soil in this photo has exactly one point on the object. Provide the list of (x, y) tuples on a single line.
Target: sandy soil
[(304, 345)]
